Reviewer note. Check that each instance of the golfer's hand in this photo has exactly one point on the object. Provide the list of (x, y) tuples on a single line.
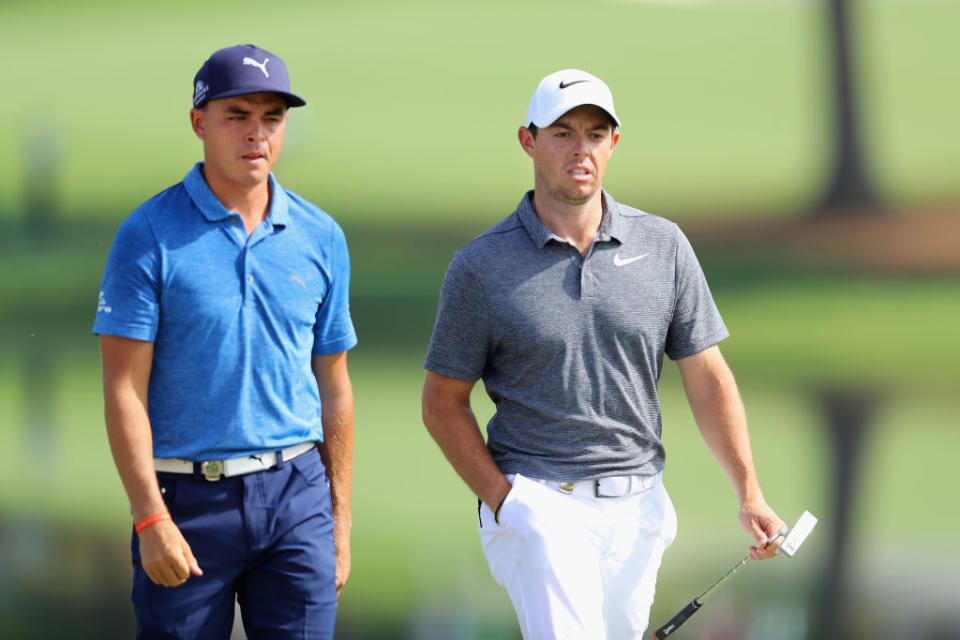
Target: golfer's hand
[(166, 556), (760, 521)]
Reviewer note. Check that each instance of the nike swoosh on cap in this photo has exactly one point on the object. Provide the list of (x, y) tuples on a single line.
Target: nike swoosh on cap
[(564, 85)]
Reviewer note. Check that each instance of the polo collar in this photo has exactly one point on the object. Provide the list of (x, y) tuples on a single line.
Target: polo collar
[(211, 208), (612, 225), (528, 217)]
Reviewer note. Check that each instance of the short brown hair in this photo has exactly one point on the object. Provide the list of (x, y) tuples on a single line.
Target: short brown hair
[(533, 129)]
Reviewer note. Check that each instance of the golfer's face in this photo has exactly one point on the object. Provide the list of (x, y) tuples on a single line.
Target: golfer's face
[(570, 156), (242, 136)]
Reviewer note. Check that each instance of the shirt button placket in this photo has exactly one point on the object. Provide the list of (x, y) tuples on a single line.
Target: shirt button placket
[(248, 277)]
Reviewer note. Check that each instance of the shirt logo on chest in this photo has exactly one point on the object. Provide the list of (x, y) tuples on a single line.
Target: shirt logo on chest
[(620, 262), (298, 280)]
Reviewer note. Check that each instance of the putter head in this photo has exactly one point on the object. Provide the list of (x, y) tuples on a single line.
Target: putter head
[(798, 534)]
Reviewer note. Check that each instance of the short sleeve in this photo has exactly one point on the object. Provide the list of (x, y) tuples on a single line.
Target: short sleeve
[(459, 344), (128, 303), (696, 322), (333, 331)]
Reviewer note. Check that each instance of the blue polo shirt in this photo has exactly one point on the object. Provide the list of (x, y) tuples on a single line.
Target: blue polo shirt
[(234, 318)]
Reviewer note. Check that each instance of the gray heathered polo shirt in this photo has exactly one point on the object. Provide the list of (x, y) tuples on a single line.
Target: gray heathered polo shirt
[(570, 348)]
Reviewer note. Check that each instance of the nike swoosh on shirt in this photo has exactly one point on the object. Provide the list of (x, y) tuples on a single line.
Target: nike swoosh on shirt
[(564, 85), (618, 261)]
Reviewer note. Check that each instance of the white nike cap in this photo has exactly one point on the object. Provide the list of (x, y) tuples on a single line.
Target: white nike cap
[(564, 90)]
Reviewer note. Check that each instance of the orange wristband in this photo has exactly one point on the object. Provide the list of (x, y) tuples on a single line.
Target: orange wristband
[(149, 520)]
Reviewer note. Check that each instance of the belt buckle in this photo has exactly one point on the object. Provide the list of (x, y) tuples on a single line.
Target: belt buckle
[(598, 494), (596, 489), (212, 470)]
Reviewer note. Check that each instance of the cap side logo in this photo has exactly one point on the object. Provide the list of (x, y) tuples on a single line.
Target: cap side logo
[(200, 91), (564, 85), (259, 65)]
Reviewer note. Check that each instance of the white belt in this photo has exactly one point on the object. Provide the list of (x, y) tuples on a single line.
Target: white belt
[(216, 469), (609, 487)]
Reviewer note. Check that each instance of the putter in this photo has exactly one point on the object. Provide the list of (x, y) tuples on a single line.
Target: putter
[(791, 542)]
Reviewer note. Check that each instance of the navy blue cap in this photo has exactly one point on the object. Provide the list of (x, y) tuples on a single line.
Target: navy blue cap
[(242, 69)]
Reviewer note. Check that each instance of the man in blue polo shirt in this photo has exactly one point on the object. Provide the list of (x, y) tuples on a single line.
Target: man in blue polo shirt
[(565, 310), (224, 323)]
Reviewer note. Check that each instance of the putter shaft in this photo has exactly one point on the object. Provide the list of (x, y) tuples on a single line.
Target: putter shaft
[(681, 616), (673, 623)]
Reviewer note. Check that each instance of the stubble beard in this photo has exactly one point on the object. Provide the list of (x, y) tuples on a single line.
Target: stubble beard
[(560, 195)]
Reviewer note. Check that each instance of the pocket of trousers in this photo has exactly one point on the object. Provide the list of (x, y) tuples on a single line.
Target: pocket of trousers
[(543, 510), (309, 466), (532, 508), (669, 532), (488, 522)]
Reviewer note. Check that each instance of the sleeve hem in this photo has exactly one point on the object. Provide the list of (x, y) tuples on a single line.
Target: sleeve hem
[(699, 346), (133, 332), (451, 372), (334, 346)]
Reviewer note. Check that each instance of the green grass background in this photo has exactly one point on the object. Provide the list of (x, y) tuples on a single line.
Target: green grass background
[(413, 105), (409, 140)]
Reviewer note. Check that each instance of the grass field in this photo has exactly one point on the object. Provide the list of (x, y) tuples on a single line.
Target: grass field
[(414, 105)]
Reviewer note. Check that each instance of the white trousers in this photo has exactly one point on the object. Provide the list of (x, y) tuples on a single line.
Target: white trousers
[(578, 567)]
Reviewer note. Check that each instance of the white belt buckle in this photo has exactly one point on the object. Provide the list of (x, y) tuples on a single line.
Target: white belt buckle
[(618, 491), (620, 486)]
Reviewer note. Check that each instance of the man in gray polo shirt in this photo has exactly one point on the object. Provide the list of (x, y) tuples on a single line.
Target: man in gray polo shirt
[(565, 309)]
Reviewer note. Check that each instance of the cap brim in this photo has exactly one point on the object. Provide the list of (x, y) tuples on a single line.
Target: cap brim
[(561, 109), (292, 99)]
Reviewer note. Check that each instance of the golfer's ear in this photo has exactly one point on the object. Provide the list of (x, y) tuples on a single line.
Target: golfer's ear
[(527, 141), (197, 123), (614, 139)]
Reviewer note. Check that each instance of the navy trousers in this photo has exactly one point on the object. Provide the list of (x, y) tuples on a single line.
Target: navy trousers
[(263, 539)]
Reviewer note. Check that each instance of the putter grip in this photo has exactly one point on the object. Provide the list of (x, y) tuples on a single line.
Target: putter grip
[(677, 620)]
